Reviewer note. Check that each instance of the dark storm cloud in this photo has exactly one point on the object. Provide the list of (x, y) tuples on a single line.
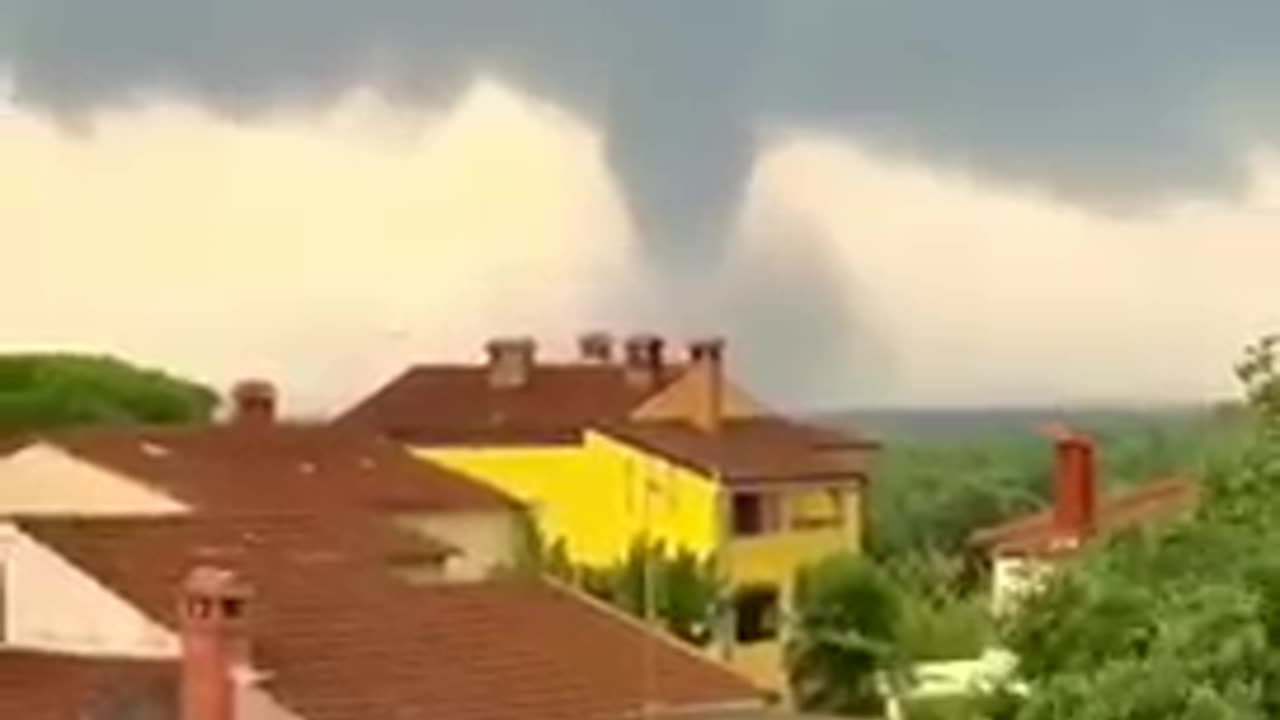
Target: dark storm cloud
[(1107, 103), (1111, 103)]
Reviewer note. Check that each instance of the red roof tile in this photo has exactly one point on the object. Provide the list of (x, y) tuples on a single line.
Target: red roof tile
[(450, 404), (1037, 534), (223, 468), (39, 686), (344, 640), (746, 451)]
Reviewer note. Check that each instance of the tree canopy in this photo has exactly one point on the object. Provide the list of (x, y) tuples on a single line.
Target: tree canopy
[(671, 586), (929, 496), (1176, 621), (845, 636), (46, 391)]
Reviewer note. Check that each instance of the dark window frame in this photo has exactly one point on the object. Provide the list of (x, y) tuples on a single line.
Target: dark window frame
[(755, 513), (757, 611)]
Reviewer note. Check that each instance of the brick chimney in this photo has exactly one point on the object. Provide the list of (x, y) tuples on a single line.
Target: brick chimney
[(253, 403), (596, 348), (706, 357), (511, 362), (213, 607), (1075, 485), (643, 363)]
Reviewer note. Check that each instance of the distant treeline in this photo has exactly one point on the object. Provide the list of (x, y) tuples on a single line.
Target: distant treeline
[(944, 473)]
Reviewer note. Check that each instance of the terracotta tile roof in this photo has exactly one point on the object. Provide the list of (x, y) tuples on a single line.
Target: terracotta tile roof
[(455, 404), (1036, 534), (224, 468), (344, 640), (39, 686), (10, 443), (763, 449)]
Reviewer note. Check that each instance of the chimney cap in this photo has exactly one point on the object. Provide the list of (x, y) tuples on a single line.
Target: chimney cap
[(511, 342), (644, 339), (644, 348), (253, 402), (253, 388), (596, 346), (215, 582), (1063, 434), (511, 361), (712, 347)]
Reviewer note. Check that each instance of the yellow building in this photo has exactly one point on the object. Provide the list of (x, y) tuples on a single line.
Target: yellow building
[(607, 452)]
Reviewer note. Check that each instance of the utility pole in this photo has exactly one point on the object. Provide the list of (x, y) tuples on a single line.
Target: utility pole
[(648, 598)]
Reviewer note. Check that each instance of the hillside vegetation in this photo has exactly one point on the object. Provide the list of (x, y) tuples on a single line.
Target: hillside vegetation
[(1178, 619), (46, 391)]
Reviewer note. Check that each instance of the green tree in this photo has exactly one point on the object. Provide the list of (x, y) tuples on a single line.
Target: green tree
[(844, 636), (930, 497), (1176, 621), (46, 391), (674, 587), (943, 616)]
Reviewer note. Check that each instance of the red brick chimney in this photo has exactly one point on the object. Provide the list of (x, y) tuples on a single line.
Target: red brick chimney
[(253, 403), (511, 361), (213, 606), (596, 348), (644, 361), (1075, 485), (706, 357)]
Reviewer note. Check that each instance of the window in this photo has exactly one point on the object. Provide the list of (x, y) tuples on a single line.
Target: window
[(754, 513), (817, 509), (756, 614)]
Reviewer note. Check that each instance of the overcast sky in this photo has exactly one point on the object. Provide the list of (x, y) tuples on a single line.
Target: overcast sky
[(907, 202)]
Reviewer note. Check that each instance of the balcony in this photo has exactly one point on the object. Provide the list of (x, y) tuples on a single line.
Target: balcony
[(774, 557)]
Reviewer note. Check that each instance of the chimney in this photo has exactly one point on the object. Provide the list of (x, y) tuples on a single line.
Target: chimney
[(706, 357), (253, 403), (213, 607), (596, 348), (643, 362), (511, 362), (1075, 485)]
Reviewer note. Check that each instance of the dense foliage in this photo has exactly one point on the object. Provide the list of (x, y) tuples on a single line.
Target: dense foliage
[(1091, 645), (928, 496), (861, 624), (844, 638), (1176, 621), (40, 392), (944, 610), (676, 588)]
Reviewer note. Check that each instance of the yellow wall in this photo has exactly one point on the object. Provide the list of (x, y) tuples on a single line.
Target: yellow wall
[(776, 556), (592, 495)]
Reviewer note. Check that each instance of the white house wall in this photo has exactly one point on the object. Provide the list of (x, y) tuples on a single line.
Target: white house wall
[(43, 479), (1013, 577), (52, 605), (254, 703), (487, 539)]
